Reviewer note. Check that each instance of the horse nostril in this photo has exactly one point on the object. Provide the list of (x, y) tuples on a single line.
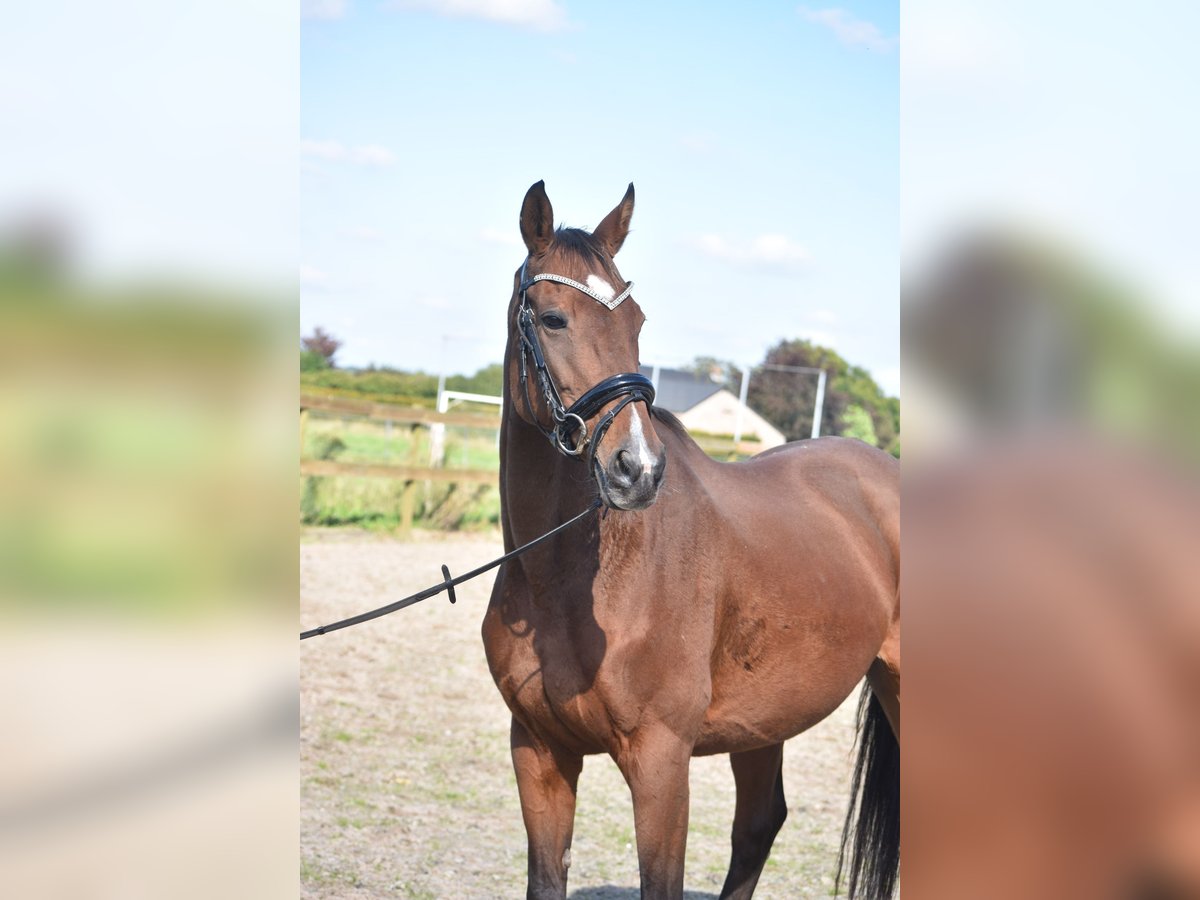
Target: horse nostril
[(625, 465), (659, 468)]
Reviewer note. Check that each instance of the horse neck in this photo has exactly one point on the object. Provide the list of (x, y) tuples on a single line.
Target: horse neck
[(539, 487)]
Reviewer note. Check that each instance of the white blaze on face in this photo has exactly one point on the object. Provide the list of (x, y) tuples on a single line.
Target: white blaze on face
[(641, 450), (601, 287)]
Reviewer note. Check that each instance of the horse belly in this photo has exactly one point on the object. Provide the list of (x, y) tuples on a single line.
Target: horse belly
[(779, 669), (753, 717)]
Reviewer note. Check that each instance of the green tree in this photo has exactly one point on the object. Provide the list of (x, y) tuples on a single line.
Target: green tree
[(323, 343), (787, 399), (854, 404), (488, 380), (857, 423), (861, 390), (375, 381), (312, 361)]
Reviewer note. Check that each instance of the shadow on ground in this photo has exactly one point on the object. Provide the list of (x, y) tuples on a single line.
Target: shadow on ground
[(611, 892)]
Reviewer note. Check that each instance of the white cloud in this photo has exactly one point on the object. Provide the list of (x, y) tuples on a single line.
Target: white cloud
[(540, 15), (824, 316), (506, 237), (336, 151), (322, 9), (849, 30), (776, 252)]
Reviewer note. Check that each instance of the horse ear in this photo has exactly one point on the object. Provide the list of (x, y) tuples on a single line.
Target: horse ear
[(612, 231), (537, 219)]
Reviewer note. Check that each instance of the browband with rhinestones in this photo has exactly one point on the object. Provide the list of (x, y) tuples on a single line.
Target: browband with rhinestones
[(562, 279)]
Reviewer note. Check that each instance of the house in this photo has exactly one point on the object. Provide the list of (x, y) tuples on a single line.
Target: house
[(702, 405)]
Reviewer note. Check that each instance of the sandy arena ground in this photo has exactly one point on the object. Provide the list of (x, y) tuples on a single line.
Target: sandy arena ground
[(406, 785)]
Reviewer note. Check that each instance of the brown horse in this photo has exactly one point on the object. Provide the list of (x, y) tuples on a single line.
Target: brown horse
[(711, 608)]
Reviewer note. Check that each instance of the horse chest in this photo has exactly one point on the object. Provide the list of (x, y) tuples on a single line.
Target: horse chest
[(556, 698), (580, 682)]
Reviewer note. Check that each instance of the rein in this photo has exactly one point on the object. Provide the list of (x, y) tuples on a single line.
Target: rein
[(448, 584)]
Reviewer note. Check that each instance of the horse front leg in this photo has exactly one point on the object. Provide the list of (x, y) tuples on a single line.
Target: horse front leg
[(655, 766), (547, 778)]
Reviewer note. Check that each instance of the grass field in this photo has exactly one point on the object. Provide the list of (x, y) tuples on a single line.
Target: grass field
[(374, 503)]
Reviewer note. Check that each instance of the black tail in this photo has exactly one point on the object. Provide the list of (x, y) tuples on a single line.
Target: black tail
[(874, 812)]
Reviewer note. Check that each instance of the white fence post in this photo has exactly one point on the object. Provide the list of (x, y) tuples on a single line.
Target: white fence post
[(819, 405), (737, 428), (437, 432)]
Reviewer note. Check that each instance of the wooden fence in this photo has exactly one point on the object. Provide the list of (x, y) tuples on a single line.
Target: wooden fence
[(411, 473)]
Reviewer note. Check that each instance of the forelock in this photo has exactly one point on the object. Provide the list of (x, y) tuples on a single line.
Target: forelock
[(580, 243)]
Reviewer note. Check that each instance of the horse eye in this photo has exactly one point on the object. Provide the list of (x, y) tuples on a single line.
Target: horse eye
[(554, 320)]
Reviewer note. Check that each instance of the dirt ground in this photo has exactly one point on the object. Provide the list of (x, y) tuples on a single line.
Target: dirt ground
[(406, 785)]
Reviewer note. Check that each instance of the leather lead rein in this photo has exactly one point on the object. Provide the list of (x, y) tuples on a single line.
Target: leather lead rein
[(448, 584)]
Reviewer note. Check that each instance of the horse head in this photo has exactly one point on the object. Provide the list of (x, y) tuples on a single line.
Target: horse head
[(573, 360)]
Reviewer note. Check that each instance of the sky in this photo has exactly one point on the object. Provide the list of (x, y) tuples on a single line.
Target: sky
[(763, 141), (161, 136), (1074, 121)]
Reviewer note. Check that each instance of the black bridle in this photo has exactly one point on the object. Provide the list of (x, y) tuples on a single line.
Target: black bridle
[(628, 387)]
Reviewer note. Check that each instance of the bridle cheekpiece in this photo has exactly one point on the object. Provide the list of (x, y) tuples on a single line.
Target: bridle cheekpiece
[(627, 386)]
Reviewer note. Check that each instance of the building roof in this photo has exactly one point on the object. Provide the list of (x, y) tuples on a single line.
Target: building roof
[(677, 390)]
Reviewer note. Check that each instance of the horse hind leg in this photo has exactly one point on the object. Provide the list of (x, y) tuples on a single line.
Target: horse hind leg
[(760, 813)]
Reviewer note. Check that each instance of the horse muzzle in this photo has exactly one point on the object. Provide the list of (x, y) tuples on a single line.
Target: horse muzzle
[(631, 477)]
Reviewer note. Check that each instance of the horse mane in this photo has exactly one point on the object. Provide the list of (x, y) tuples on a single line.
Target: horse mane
[(669, 419)]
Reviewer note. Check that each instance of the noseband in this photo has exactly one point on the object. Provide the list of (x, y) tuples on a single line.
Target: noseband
[(627, 386)]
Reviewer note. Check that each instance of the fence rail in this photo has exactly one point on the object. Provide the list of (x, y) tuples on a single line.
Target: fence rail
[(371, 410), (402, 473)]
